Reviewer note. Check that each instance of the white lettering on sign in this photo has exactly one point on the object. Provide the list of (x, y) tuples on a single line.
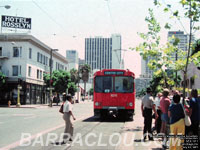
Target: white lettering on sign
[(113, 95), (16, 22)]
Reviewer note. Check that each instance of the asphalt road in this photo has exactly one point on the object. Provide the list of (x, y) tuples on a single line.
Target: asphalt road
[(46, 127), (15, 121)]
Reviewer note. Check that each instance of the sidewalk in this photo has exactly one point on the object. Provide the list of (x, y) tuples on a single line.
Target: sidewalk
[(133, 133)]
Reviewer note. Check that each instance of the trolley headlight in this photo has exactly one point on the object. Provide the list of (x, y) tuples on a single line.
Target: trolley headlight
[(130, 104), (97, 103)]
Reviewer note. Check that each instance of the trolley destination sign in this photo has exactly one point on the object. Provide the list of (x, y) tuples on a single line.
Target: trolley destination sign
[(114, 73), (15, 22)]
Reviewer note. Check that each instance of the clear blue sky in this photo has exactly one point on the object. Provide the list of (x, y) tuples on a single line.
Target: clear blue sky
[(63, 24)]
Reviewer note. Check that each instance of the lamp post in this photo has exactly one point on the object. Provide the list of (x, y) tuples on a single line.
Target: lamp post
[(19, 87), (18, 95), (78, 89), (50, 87), (6, 6)]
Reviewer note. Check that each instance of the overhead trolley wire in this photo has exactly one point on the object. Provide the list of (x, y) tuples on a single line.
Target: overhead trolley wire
[(52, 19), (111, 18)]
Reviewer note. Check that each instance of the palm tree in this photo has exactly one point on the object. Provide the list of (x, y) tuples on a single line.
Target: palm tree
[(85, 70), (74, 75)]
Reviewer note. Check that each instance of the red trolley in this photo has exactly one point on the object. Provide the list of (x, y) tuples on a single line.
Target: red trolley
[(114, 93)]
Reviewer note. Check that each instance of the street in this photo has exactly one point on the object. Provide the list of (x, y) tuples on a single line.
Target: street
[(44, 127)]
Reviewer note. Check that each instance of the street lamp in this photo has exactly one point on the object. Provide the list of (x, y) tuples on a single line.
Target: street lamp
[(6, 6), (50, 87), (19, 87)]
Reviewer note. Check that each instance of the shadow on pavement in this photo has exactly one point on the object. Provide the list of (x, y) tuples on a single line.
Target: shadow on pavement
[(135, 129), (138, 140), (107, 119)]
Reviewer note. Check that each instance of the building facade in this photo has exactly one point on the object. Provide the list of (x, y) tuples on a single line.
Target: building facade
[(193, 77), (145, 70), (183, 41), (103, 53), (142, 83), (72, 57), (25, 59)]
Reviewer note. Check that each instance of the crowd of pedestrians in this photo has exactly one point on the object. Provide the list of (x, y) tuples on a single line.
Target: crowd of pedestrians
[(169, 112)]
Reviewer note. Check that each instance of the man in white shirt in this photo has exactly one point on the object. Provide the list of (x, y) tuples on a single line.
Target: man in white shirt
[(146, 108), (67, 110)]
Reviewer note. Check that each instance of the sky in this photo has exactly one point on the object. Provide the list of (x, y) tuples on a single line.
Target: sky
[(64, 24)]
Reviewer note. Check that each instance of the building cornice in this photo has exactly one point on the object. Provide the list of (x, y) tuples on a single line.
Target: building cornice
[(16, 37)]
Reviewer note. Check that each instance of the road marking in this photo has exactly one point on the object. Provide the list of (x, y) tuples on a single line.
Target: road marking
[(22, 115), (15, 144), (31, 117)]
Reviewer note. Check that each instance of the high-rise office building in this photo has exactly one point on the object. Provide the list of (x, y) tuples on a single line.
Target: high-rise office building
[(146, 72), (103, 53), (72, 57), (183, 43)]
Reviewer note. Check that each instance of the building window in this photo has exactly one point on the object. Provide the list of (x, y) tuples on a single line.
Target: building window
[(29, 71), (30, 53), (1, 51), (41, 58), (15, 52), (38, 74), (46, 63), (44, 59), (0, 68), (38, 57), (15, 70)]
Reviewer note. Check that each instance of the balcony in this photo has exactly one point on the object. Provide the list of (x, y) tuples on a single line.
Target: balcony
[(6, 72), (5, 55)]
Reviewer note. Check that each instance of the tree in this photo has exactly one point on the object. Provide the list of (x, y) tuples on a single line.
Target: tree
[(60, 80), (159, 56), (191, 12), (141, 93), (85, 70), (2, 80), (74, 75), (72, 88), (91, 91), (157, 82)]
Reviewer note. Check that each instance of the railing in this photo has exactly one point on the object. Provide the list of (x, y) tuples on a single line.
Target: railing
[(6, 72), (5, 55)]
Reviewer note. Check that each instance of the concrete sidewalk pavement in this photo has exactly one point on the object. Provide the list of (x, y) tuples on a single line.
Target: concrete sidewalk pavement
[(132, 134)]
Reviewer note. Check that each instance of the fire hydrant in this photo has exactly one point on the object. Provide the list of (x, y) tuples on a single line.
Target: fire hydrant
[(9, 103)]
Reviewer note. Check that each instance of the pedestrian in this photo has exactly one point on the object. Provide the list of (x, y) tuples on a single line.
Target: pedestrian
[(177, 124), (67, 110), (158, 120), (194, 113), (146, 107), (164, 105)]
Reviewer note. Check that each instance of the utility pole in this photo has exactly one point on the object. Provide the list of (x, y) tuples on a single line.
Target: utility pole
[(176, 70)]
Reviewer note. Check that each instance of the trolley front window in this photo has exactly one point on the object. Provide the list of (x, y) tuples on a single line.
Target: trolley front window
[(124, 84), (103, 84)]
